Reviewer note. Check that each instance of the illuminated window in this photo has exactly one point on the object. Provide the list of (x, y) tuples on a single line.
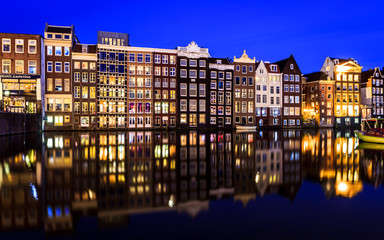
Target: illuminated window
[(6, 45), (183, 118), (19, 66), (19, 45)]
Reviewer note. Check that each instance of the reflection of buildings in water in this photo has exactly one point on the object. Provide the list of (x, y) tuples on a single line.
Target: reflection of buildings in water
[(20, 191), (58, 182), (125, 175), (292, 168), (164, 170), (244, 171), (372, 164), (84, 172), (193, 175), (116, 174), (333, 161), (347, 160), (268, 176), (140, 168), (221, 164), (317, 152)]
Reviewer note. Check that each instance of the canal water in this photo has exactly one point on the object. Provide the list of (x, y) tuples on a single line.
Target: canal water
[(286, 184)]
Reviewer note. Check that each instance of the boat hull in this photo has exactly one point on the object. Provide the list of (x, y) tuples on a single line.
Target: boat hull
[(367, 138), (370, 146)]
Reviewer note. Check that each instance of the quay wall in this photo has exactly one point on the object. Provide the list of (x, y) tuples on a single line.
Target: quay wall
[(17, 123)]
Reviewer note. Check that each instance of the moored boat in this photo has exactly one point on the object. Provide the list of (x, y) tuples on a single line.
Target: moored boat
[(370, 146), (374, 135)]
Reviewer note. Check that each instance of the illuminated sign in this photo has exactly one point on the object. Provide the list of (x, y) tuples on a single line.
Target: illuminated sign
[(17, 76)]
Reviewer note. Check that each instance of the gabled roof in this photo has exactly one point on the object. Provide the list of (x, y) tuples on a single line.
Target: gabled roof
[(315, 76), (343, 60), (282, 63), (366, 75), (268, 66)]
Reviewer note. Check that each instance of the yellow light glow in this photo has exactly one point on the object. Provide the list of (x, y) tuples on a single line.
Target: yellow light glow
[(257, 177), (171, 201), (343, 68), (342, 187)]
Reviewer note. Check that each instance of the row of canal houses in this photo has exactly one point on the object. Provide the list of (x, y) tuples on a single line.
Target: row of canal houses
[(112, 84)]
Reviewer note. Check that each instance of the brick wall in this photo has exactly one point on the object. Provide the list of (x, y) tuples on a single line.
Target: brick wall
[(16, 123)]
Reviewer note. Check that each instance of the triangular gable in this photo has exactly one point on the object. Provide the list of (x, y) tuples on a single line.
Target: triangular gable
[(285, 65), (261, 65), (350, 64), (377, 70)]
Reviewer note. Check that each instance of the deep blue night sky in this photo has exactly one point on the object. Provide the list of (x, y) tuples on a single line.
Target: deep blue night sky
[(311, 30)]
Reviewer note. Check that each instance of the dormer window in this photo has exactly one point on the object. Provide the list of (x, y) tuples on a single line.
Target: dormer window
[(274, 68), (57, 36), (85, 49), (49, 35), (291, 66), (218, 61), (66, 36), (336, 61)]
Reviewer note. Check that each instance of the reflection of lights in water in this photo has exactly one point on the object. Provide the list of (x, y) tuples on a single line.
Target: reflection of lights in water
[(34, 191), (90, 193), (342, 187), (6, 168), (257, 177), (171, 201), (1, 174)]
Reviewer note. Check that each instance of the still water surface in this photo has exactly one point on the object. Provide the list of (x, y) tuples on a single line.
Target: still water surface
[(292, 184)]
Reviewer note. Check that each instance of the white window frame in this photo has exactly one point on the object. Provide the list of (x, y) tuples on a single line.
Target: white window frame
[(19, 42), (66, 65), (18, 61), (49, 48), (51, 63), (61, 50), (6, 41), (61, 66), (32, 43), (30, 64)]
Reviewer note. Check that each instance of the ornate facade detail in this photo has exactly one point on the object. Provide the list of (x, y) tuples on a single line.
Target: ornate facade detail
[(244, 58)]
